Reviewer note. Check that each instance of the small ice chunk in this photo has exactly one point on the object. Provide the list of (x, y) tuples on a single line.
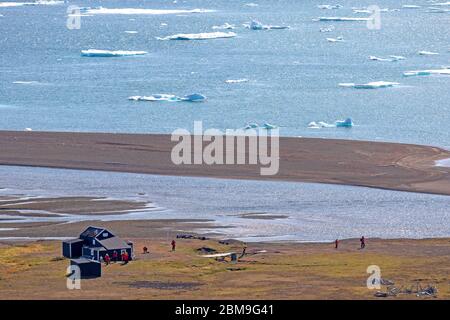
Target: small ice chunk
[(329, 6), (109, 53), (225, 26), (28, 129), (251, 125), (390, 59), (195, 97), (199, 36), (236, 80), (444, 71), (338, 39), (341, 19), (256, 25), (251, 4), (269, 126), (411, 6), (370, 85), (131, 32), (427, 53)]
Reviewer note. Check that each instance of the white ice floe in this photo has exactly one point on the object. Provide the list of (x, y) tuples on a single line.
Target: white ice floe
[(390, 59), (195, 97), (341, 19), (236, 80), (410, 6), (199, 36), (26, 82), (347, 123), (338, 39), (256, 25), (28, 129), (131, 32), (370, 85), (143, 11), (329, 6), (444, 71), (251, 4), (438, 10), (225, 26), (110, 53), (427, 53), (35, 3)]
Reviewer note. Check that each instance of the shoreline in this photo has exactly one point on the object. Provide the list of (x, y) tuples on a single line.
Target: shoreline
[(382, 165)]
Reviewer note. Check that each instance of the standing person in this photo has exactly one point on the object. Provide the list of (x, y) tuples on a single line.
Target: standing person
[(107, 259), (115, 256), (363, 242), (336, 243), (125, 257), (173, 245)]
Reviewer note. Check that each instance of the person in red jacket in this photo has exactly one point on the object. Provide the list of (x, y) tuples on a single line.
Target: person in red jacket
[(125, 257), (173, 245), (107, 259)]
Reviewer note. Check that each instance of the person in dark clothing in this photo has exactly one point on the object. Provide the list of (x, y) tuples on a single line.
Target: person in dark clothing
[(115, 256), (145, 250), (173, 245), (336, 243), (363, 242)]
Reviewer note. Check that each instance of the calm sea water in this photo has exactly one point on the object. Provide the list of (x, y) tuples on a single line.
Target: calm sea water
[(293, 74), (306, 212)]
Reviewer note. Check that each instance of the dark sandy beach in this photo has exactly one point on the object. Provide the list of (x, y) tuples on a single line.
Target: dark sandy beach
[(393, 166)]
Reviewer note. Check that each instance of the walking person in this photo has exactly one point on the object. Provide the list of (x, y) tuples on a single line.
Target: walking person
[(173, 245), (336, 243), (363, 242)]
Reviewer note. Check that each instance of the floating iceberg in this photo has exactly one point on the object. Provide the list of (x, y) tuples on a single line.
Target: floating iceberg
[(341, 19), (438, 10), (329, 6), (251, 4), (225, 26), (236, 80), (136, 11), (199, 36), (269, 126), (370, 85), (131, 32), (427, 53), (195, 97), (445, 71), (251, 125), (338, 39), (109, 53), (347, 123), (256, 25), (27, 82)]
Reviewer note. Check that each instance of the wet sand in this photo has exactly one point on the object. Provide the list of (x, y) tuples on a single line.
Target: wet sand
[(393, 166)]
